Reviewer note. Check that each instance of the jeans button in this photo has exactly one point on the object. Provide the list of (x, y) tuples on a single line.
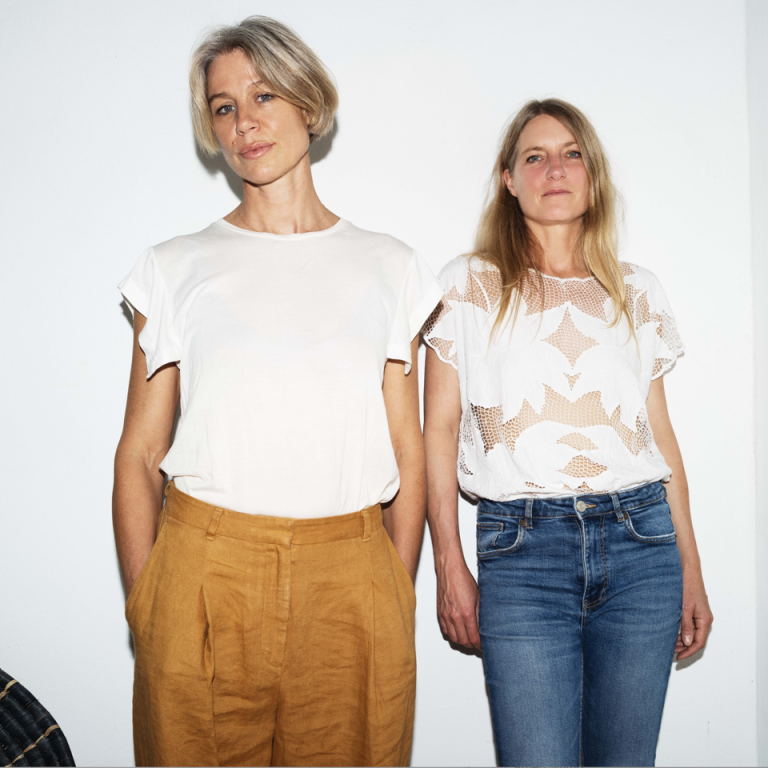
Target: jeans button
[(580, 506)]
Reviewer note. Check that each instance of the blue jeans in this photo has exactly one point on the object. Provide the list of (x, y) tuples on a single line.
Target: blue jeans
[(580, 604)]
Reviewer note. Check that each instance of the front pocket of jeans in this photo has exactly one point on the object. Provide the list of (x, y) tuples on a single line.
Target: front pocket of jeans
[(495, 538), (651, 525)]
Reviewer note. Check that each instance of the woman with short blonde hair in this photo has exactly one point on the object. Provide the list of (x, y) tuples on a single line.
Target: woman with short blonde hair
[(545, 401), (271, 598)]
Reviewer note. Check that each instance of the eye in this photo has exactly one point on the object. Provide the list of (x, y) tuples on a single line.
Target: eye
[(225, 109), (574, 153), (532, 158), (263, 98)]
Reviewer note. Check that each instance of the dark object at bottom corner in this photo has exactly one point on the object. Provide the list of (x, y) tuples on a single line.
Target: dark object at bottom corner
[(28, 733)]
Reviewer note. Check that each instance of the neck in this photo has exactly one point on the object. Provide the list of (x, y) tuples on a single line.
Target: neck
[(286, 206), (558, 257)]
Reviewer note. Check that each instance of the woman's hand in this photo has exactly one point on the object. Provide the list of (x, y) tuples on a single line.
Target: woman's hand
[(457, 604), (697, 616), (457, 594)]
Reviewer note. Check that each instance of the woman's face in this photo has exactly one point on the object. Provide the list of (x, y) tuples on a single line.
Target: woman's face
[(262, 136), (549, 178)]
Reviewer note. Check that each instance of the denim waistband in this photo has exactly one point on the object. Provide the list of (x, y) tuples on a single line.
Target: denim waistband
[(581, 506)]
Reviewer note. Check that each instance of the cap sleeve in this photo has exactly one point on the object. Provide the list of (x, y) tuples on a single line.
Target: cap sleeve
[(655, 323), (145, 291), (439, 330), (669, 345), (419, 294)]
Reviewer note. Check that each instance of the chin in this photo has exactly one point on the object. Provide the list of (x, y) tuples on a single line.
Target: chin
[(260, 176)]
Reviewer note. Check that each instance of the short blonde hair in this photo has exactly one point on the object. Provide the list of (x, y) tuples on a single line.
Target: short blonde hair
[(285, 63)]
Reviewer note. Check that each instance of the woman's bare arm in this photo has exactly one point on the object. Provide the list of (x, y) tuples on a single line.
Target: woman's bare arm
[(138, 490), (457, 595), (697, 616), (404, 517)]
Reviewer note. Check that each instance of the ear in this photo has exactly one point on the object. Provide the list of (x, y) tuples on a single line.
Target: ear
[(507, 176)]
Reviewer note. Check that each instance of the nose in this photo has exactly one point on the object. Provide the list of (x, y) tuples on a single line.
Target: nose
[(556, 169), (247, 120)]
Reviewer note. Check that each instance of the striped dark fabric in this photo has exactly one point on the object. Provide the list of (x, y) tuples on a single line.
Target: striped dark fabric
[(28, 733)]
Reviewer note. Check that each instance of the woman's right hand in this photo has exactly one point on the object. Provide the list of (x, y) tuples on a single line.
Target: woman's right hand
[(457, 604)]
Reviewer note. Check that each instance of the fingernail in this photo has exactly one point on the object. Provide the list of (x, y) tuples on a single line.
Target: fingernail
[(687, 639)]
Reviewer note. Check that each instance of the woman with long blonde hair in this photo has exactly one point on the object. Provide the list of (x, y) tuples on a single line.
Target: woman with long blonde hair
[(545, 401)]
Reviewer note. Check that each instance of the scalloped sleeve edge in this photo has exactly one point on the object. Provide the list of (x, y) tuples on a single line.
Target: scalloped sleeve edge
[(145, 291), (419, 295)]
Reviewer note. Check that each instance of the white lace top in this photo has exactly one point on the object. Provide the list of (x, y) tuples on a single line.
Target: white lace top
[(556, 405), (281, 342)]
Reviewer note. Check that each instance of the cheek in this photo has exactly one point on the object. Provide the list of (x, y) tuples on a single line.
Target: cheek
[(222, 132), (527, 184), (583, 181)]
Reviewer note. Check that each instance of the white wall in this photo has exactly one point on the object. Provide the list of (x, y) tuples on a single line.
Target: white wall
[(99, 163), (757, 81)]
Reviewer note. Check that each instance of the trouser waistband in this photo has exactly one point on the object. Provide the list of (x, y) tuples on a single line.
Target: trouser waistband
[(266, 529)]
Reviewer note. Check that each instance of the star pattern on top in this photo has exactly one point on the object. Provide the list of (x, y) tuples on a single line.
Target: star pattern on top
[(580, 311), (587, 411), (570, 340), (581, 466), (577, 441), (586, 295)]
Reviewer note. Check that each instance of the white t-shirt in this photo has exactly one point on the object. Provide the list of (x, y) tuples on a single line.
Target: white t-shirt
[(281, 342), (554, 406)]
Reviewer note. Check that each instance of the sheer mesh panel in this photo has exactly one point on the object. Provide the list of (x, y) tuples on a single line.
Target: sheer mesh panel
[(583, 313)]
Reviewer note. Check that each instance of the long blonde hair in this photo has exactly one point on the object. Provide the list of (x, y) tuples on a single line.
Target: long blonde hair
[(504, 239)]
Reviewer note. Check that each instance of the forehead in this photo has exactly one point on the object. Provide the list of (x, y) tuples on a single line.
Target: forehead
[(544, 130), (230, 69)]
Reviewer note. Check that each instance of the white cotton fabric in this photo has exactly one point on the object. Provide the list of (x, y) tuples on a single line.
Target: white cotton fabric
[(555, 404), (281, 342)]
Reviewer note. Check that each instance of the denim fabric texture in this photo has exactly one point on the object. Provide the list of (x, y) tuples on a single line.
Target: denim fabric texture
[(580, 606)]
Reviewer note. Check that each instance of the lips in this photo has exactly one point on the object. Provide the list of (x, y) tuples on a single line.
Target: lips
[(557, 192), (252, 151)]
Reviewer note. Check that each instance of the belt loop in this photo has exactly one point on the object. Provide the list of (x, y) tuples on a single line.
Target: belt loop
[(215, 517), (168, 486), (529, 514), (617, 507), (366, 525)]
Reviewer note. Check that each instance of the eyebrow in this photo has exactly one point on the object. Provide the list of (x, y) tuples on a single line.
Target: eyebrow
[(224, 95), (541, 149)]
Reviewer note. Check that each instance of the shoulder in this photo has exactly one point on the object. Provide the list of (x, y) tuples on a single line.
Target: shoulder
[(640, 278), (170, 251), (377, 245), (645, 295), (458, 270)]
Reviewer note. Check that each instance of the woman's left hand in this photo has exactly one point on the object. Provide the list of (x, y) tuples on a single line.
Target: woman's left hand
[(697, 616)]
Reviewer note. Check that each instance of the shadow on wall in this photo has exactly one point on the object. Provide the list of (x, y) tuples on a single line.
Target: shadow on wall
[(318, 151)]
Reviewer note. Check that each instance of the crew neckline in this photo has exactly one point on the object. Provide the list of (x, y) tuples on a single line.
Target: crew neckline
[(272, 236)]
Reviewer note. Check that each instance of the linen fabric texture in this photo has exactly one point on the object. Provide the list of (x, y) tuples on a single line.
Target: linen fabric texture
[(580, 606), (271, 641), (554, 403), (281, 343)]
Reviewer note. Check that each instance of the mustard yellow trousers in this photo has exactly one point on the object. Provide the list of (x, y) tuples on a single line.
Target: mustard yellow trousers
[(272, 641)]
